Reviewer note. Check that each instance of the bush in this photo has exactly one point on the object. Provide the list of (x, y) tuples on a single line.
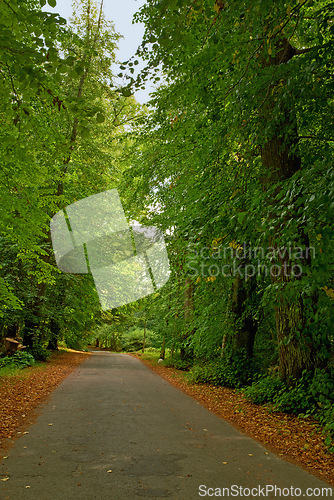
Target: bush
[(39, 352), (233, 371), (178, 363), (295, 399), (263, 390), (312, 395), (322, 390), (17, 360), (133, 339), (74, 342)]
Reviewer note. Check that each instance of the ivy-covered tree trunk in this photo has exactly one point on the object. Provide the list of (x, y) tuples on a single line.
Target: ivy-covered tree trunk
[(54, 335), (244, 322), (281, 161), (188, 316), (34, 318)]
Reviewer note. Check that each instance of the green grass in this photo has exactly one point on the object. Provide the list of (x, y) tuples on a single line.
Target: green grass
[(152, 354), (11, 371), (15, 371)]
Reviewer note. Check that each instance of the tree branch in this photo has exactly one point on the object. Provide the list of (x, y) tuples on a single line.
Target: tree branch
[(303, 51)]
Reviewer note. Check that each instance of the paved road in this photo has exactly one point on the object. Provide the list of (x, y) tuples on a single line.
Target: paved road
[(121, 432)]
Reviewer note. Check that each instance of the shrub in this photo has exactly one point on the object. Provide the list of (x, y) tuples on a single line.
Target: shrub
[(326, 418), (295, 400), (74, 342), (205, 374), (312, 395), (232, 371), (133, 339), (39, 352), (178, 363), (264, 390), (18, 360), (322, 390)]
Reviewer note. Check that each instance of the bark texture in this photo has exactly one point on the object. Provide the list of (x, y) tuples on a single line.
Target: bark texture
[(281, 161)]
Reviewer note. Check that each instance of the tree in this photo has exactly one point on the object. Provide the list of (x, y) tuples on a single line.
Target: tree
[(61, 130), (237, 132)]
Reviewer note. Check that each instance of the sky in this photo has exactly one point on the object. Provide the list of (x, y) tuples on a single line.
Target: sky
[(121, 14)]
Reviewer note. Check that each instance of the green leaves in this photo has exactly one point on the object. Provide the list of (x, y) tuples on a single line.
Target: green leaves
[(52, 3), (230, 151), (60, 124), (100, 118), (126, 92)]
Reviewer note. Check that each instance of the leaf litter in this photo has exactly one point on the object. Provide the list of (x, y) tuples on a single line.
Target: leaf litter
[(298, 440), (22, 393)]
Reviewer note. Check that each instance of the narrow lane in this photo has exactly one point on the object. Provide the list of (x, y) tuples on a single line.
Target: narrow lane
[(116, 430)]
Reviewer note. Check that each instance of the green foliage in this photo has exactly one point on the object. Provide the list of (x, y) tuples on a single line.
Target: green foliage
[(108, 336), (312, 395), (39, 352), (326, 418), (74, 341), (133, 339), (295, 398), (235, 370), (263, 390), (322, 391), (20, 359), (61, 122), (178, 363), (201, 155)]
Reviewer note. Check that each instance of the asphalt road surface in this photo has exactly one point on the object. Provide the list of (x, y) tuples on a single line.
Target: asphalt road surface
[(115, 430)]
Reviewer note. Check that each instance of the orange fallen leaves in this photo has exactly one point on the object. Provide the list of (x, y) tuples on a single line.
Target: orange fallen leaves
[(293, 438), (22, 393)]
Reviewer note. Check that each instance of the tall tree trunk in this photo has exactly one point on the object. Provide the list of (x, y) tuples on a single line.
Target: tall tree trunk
[(34, 317), (144, 339), (188, 315), (54, 335), (245, 323), (163, 350), (281, 161)]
